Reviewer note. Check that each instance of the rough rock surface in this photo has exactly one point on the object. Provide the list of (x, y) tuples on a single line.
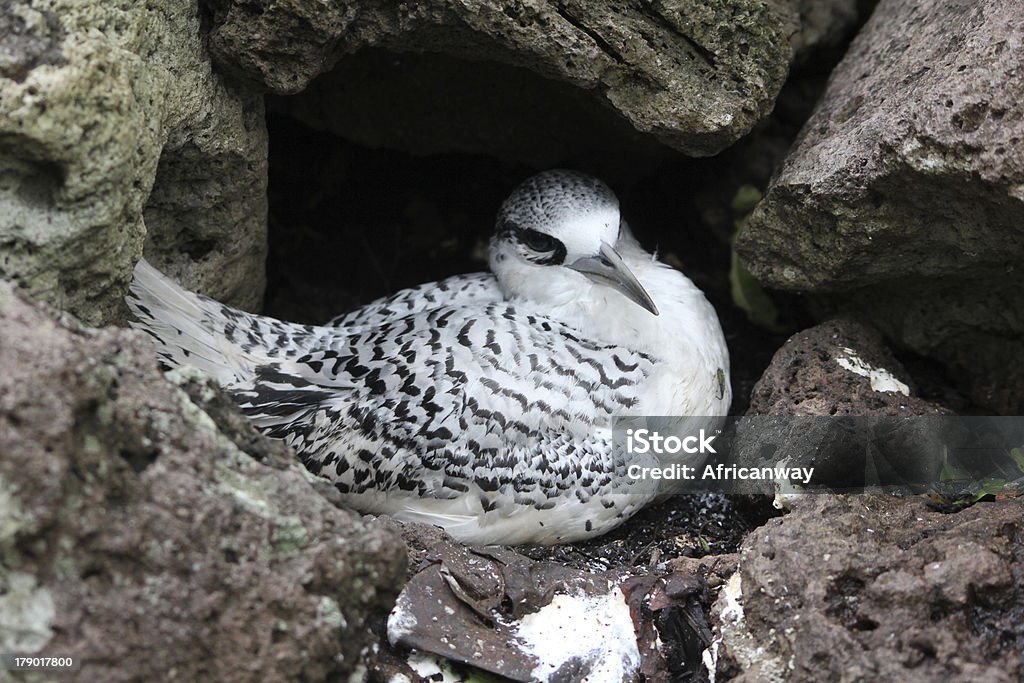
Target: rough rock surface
[(428, 103), (876, 588), (822, 24), (697, 75), (104, 106), (906, 188), (823, 403), (438, 104), (155, 542), (840, 367)]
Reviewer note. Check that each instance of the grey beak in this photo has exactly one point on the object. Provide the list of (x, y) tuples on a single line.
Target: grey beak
[(607, 268)]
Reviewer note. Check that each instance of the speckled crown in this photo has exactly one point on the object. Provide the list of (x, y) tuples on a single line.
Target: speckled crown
[(550, 196)]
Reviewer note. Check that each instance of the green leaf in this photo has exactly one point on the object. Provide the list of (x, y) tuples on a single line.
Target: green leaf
[(1018, 457), (745, 199), (990, 487), (748, 294), (951, 473)]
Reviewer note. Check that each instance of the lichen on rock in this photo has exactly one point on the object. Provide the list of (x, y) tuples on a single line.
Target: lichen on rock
[(114, 129), (695, 75), (146, 531)]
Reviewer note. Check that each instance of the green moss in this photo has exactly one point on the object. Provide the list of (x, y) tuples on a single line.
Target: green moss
[(289, 535)]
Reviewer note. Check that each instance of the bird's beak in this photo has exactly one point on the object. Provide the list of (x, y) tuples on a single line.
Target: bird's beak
[(607, 268)]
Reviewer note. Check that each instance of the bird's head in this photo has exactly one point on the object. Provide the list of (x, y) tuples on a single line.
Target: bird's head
[(563, 227)]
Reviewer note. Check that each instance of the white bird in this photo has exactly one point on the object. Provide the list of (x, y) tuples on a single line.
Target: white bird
[(481, 403)]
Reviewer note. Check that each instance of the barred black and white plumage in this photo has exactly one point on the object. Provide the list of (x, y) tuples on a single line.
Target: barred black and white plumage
[(482, 403)]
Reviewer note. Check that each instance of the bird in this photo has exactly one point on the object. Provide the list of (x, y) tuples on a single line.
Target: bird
[(482, 403)]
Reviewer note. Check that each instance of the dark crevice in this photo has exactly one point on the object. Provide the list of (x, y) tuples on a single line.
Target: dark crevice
[(138, 459), (709, 57), (601, 43)]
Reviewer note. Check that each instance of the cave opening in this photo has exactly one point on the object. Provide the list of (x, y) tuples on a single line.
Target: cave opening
[(388, 171)]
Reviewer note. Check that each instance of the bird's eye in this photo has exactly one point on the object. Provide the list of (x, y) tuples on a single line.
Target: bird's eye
[(537, 241)]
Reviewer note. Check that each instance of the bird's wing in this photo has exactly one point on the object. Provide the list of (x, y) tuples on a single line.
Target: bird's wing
[(480, 403), (230, 344), (458, 290), (479, 412)]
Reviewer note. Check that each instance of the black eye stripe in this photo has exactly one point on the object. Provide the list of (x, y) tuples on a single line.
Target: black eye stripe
[(537, 241), (545, 249), (536, 247)]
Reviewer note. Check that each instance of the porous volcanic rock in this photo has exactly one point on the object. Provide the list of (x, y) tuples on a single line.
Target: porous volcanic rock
[(840, 367), (905, 190), (695, 74), (833, 399), (157, 536), (877, 588), (115, 132)]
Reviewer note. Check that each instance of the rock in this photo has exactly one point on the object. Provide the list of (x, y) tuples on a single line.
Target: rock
[(431, 103), (904, 192), (904, 169), (111, 121), (835, 399), (696, 75), (715, 569), (151, 534), (862, 588), (840, 367), (818, 25), (972, 326), (437, 104)]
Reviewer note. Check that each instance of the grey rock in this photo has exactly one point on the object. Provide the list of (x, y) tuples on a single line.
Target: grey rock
[(864, 588), (29, 41), (839, 367), (112, 121), (907, 167), (904, 191), (817, 25), (834, 398), (972, 325), (695, 75), (437, 104), (157, 536)]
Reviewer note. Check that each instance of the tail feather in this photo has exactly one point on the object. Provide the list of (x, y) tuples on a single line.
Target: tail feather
[(188, 329), (228, 344)]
